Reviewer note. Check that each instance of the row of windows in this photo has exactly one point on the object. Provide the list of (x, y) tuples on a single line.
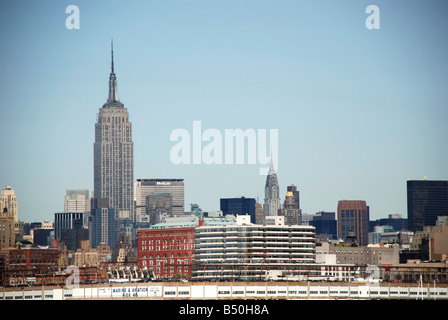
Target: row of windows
[(260, 255), (261, 233), (166, 234), (227, 245), (220, 238), (165, 247), (166, 256), (172, 270), (34, 262), (204, 258), (146, 263), (165, 241)]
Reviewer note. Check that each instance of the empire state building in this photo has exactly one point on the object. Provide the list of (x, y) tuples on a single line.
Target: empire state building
[(114, 153)]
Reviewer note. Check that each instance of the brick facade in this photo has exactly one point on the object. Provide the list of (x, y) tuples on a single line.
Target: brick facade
[(168, 252)]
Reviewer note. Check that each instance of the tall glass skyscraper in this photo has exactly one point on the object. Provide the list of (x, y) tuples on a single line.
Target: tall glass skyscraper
[(114, 153), (427, 200)]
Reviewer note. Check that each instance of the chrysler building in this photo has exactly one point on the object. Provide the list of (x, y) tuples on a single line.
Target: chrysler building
[(271, 193)]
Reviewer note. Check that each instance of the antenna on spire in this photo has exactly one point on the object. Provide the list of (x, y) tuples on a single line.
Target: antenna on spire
[(112, 100), (271, 166), (112, 54)]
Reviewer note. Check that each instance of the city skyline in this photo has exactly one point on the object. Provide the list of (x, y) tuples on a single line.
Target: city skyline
[(359, 112)]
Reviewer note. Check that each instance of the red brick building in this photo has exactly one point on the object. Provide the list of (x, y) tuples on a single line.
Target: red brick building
[(19, 264), (168, 252)]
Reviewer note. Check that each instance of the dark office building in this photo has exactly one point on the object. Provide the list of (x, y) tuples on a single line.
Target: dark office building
[(427, 200), (397, 222), (239, 206), (353, 218), (326, 225), (42, 237), (65, 220), (73, 238)]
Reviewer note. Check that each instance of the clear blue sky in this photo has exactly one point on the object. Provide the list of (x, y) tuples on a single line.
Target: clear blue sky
[(358, 111)]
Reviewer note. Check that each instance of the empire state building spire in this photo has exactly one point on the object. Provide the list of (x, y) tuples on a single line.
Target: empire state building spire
[(113, 157), (112, 100)]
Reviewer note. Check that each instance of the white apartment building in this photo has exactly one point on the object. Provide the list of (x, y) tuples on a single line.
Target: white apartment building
[(253, 252)]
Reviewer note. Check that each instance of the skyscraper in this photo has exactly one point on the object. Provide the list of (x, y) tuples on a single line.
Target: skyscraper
[(77, 201), (259, 213), (292, 188), (114, 153), (353, 217), (10, 229), (325, 224), (271, 193), (238, 206), (291, 210), (8, 200), (102, 223), (65, 220), (146, 187), (427, 200), (157, 205)]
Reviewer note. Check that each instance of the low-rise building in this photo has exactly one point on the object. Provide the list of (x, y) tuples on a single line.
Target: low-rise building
[(86, 256), (415, 271), (23, 263), (429, 244), (247, 251), (366, 255), (167, 252)]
